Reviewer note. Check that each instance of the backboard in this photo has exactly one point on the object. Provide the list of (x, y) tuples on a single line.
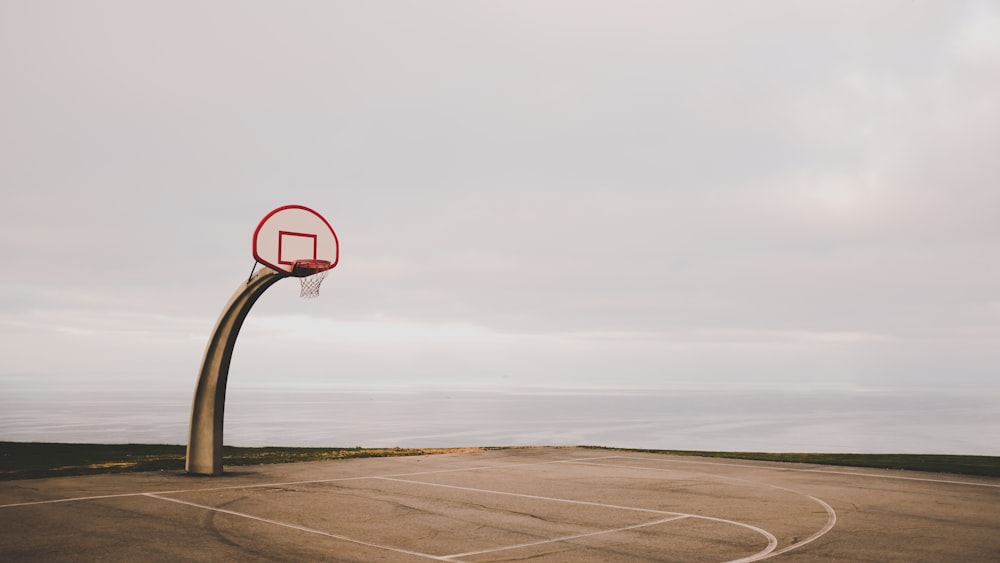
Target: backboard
[(292, 233)]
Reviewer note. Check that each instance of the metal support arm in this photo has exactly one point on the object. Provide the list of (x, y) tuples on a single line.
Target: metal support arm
[(204, 450)]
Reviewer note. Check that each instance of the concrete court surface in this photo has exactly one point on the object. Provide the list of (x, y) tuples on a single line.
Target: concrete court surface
[(537, 504)]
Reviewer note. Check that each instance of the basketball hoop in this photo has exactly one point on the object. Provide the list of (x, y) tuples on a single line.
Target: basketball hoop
[(311, 274)]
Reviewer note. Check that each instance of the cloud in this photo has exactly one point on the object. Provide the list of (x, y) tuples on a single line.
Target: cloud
[(641, 189)]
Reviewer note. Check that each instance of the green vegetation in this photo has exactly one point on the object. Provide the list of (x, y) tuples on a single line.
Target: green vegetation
[(960, 464), (24, 460), (27, 460)]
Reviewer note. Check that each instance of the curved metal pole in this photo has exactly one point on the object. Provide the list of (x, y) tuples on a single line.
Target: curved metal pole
[(204, 450)]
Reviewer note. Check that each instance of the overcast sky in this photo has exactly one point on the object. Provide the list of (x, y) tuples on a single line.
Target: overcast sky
[(567, 194)]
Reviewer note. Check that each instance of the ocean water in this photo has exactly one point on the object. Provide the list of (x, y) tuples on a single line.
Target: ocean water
[(854, 420)]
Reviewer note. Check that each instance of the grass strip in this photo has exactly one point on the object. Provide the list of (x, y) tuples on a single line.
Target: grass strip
[(29, 460), (987, 466)]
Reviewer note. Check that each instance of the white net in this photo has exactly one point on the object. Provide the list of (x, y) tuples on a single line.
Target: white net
[(311, 283)]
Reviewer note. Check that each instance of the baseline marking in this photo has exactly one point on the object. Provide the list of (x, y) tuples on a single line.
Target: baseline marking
[(279, 484), (58, 500), (505, 466)]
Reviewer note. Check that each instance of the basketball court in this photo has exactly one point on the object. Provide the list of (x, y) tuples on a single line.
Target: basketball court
[(538, 504)]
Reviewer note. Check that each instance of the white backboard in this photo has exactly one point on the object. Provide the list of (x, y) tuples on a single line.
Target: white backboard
[(294, 232)]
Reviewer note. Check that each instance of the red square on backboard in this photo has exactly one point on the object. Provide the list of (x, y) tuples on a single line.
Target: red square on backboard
[(295, 246)]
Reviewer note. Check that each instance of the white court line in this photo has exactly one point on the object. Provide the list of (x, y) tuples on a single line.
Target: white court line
[(772, 542), (830, 523), (533, 497), (295, 527), (512, 465), (280, 484), (831, 513), (798, 470), (308, 482), (767, 553), (900, 477), (54, 501), (566, 538)]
